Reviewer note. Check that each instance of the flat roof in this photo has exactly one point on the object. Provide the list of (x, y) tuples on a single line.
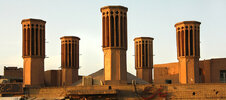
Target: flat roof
[(187, 22), (143, 38), (70, 37), (32, 19)]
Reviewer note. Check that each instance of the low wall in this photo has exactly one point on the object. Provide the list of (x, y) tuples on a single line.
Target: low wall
[(136, 92)]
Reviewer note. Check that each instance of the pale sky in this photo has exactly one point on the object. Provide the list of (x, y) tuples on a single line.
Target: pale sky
[(82, 18)]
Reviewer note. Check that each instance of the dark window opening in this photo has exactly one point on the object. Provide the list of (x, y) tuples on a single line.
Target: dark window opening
[(73, 55), (178, 40), (66, 59), (41, 42), (146, 47), (69, 54), (168, 81), (76, 55), (121, 31), (24, 42), (186, 42), (32, 40), (36, 41), (112, 30), (193, 93), (107, 31), (223, 76), (191, 42), (182, 35), (142, 54), (117, 32), (195, 43)]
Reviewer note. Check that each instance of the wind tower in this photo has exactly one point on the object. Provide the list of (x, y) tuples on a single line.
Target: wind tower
[(144, 58), (69, 59), (114, 25), (33, 51), (188, 51)]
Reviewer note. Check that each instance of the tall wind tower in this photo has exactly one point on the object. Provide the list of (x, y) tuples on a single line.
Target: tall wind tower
[(33, 51), (114, 25), (188, 51), (144, 58), (69, 59)]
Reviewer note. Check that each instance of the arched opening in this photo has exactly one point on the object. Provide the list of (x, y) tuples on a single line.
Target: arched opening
[(182, 38), (191, 42), (107, 32), (36, 42), (179, 43), (117, 32), (121, 31), (24, 42), (28, 41), (186, 42), (41, 40), (112, 30), (69, 54)]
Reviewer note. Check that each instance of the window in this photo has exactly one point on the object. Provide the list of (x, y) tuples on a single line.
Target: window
[(223, 76), (168, 81)]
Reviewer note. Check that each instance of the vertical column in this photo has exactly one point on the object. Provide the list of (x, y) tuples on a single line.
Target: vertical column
[(119, 31), (66, 51), (148, 53), (194, 52), (189, 38), (145, 56), (138, 54), (198, 42), (122, 31), (184, 40), (24, 41), (177, 35), (110, 36), (43, 41), (125, 31)]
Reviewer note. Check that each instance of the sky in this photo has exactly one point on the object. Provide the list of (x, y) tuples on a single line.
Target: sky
[(82, 18)]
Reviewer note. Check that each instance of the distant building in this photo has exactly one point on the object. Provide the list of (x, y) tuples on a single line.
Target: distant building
[(210, 71), (12, 75), (189, 69)]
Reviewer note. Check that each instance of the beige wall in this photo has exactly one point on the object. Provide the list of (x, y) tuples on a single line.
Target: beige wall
[(164, 72)]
